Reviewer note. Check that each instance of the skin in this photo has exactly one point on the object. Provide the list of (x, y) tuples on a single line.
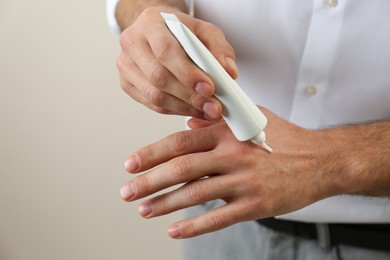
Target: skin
[(208, 162)]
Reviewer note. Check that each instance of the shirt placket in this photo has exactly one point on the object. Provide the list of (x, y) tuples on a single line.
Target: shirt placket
[(317, 61)]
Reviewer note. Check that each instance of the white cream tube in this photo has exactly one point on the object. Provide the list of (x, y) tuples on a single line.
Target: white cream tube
[(243, 117)]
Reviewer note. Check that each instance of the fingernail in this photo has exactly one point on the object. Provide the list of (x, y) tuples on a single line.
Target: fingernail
[(128, 191), (132, 163), (174, 231), (204, 89), (211, 110), (231, 63), (145, 209)]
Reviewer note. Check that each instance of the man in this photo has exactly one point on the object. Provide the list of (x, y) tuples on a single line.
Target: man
[(320, 67)]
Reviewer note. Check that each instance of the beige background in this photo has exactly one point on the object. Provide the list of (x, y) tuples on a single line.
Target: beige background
[(66, 128)]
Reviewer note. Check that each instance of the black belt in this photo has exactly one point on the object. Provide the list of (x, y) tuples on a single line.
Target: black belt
[(369, 236)]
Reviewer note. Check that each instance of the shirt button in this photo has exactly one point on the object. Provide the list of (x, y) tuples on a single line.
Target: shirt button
[(310, 90), (331, 3)]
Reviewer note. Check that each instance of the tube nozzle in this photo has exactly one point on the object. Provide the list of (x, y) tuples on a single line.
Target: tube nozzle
[(260, 140)]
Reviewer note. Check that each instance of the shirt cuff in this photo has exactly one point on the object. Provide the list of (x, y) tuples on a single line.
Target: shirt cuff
[(113, 23), (111, 19)]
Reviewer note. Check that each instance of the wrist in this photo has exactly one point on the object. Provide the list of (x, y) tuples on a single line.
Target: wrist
[(338, 161), (127, 11), (327, 167), (361, 153)]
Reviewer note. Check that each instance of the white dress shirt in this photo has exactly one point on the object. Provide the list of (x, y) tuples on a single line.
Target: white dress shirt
[(316, 63)]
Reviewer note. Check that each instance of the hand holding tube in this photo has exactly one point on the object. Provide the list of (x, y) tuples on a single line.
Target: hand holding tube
[(243, 117)]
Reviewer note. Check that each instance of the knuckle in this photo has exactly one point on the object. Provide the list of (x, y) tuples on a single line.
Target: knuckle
[(125, 86), (147, 14), (216, 30), (158, 76), (155, 97), (180, 168), (180, 141), (195, 192), (211, 29), (216, 221), (144, 184), (126, 39), (195, 100), (163, 50), (191, 229), (162, 207)]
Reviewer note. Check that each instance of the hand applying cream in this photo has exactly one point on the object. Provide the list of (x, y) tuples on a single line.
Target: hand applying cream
[(243, 117)]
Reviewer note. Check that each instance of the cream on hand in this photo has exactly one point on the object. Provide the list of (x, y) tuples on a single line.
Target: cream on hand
[(243, 117)]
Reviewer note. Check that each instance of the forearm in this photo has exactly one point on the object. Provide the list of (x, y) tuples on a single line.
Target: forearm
[(364, 152), (127, 11)]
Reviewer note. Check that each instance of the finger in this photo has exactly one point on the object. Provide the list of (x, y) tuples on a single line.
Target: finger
[(195, 123), (150, 96), (161, 78), (215, 40), (168, 51), (171, 55), (191, 194), (185, 142), (178, 170), (214, 220), (135, 94)]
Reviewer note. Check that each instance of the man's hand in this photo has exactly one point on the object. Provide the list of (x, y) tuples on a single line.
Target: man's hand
[(254, 184), (155, 71)]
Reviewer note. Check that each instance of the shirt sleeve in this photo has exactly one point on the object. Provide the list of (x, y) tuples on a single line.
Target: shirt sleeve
[(110, 10), (113, 23)]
